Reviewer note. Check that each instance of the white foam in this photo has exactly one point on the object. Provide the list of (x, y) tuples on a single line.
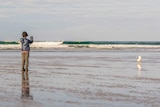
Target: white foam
[(45, 44), (124, 46), (10, 46)]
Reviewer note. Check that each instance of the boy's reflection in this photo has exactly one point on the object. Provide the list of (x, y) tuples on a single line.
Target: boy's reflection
[(25, 86)]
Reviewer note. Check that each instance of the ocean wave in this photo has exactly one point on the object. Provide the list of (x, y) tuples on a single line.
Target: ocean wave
[(124, 46), (9, 42), (83, 44), (46, 44), (112, 42), (34, 45)]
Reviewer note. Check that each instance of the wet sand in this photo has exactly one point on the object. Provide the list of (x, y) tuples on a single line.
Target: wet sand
[(74, 78)]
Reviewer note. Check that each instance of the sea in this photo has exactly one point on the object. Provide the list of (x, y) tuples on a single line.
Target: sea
[(81, 74)]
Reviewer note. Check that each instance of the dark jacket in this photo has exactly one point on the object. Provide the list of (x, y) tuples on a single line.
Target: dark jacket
[(26, 44)]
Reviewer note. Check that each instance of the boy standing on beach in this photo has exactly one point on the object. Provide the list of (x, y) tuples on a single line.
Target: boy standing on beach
[(25, 50)]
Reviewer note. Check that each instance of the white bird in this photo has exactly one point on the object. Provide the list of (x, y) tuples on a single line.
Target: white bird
[(139, 59)]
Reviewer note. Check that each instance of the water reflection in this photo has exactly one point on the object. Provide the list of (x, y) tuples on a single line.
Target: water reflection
[(139, 66), (25, 86)]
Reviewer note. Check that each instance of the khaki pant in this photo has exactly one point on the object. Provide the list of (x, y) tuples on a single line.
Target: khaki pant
[(25, 61)]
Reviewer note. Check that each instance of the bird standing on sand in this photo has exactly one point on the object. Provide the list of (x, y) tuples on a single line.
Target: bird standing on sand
[(139, 59)]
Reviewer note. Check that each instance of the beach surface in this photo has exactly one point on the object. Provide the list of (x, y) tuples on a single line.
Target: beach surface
[(82, 78)]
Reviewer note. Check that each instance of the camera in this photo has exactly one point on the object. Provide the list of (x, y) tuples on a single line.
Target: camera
[(31, 38)]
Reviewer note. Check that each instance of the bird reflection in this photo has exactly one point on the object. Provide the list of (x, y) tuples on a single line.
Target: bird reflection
[(139, 69), (25, 86)]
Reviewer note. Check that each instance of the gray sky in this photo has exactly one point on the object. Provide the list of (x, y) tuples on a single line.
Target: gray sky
[(54, 20)]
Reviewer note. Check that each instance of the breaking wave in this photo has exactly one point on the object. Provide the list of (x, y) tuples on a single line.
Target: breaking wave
[(82, 44)]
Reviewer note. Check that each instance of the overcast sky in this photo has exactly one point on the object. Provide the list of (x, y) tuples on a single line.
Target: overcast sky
[(103, 20)]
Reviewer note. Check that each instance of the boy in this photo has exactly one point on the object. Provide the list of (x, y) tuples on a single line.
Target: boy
[(25, 50)]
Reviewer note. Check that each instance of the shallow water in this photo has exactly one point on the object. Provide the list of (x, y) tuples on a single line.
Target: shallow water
[(82, 78)]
